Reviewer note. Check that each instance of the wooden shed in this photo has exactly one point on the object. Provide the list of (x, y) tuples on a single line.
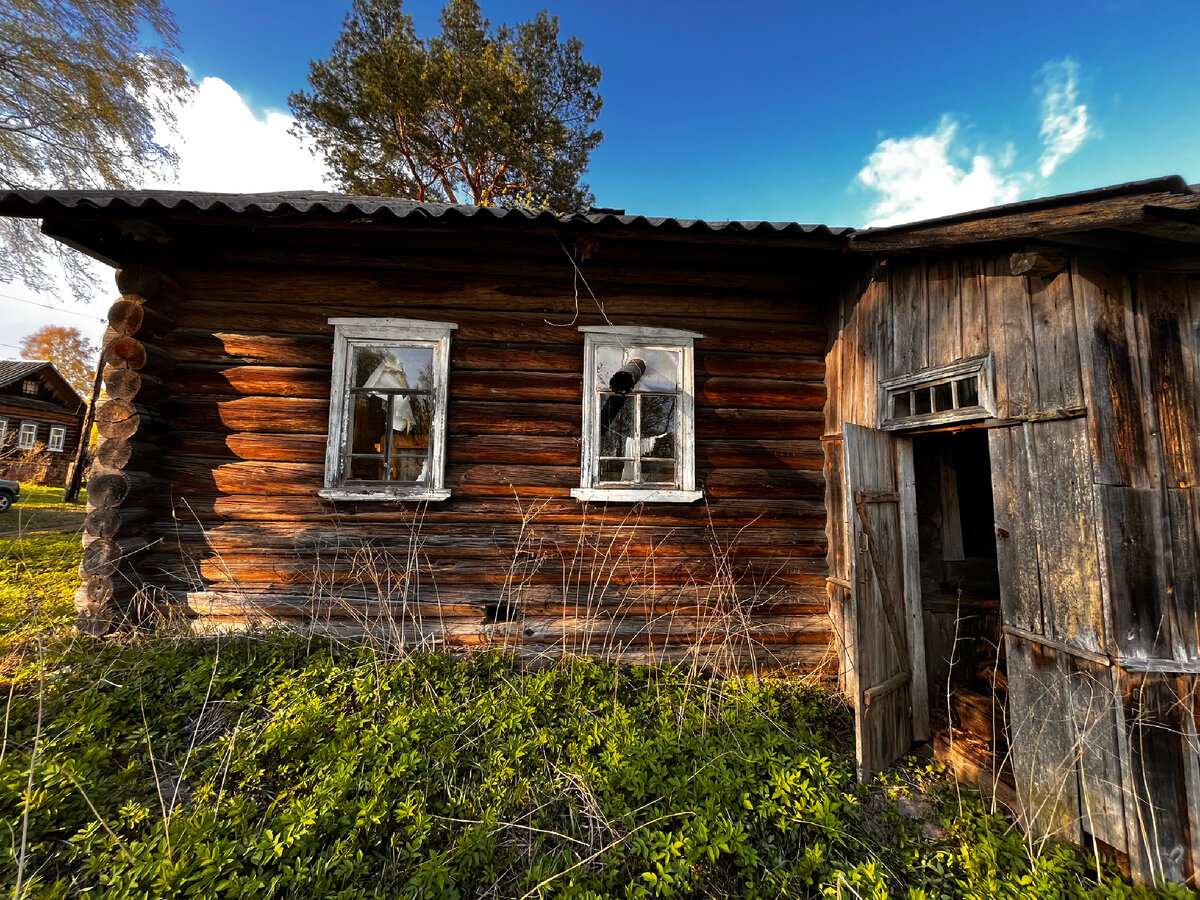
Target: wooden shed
[(954, 462)]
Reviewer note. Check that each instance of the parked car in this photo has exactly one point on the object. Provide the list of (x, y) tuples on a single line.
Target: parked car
[(9, 492)]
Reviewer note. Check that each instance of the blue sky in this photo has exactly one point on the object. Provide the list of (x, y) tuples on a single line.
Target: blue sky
[(771, 109), (845, 113)]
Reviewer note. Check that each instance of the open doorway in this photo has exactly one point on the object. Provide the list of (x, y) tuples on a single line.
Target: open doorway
[(960, 601)]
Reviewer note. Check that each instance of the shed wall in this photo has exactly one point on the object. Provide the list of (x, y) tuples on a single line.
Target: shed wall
[(1094, 458)]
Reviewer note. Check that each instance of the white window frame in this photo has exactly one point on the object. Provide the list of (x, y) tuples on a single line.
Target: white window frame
[(57, 439), (29, 387), (634, 338), (394, 332), (3, 429), (935, 376), (24, 442)]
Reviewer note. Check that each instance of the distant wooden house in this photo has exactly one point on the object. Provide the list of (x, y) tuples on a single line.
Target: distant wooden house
[(40, 419), (954, 461)]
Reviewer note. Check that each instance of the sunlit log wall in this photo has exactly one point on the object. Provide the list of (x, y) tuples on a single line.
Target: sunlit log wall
[(1095, 455), (240, 536)]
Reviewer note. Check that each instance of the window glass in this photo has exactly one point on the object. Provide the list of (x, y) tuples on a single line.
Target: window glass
[(57, 438), (968, 391), (28, 435), (388, 408), (638, 414), (943, 397)]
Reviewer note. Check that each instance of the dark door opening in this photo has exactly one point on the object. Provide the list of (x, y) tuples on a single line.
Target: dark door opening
[(960, 600)]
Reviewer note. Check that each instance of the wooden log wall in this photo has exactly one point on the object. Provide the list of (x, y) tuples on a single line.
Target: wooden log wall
[(1094, 452), (510, 559), (124, 480)]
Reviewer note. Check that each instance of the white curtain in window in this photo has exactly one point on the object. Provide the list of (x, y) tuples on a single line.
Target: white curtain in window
[(390, 374)]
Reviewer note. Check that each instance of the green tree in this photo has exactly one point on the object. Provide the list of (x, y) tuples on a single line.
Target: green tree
[(81, 90), (473, 115), (72, 354)]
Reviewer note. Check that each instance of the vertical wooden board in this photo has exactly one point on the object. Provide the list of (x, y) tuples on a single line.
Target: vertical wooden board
[(909, 317), (833, 385), (1112, 383), (1016, 529), (1056, 343), (851, 380), (1183, 543), (1159, 820), (1131, 547), (1041, 731), (945, 311), (1093, 703), (835, 507), (1068, 561), (883, 720), (906, 482), (973, 307), (952, 539), (1011, 331), (871, 319), (1189, 691), (1174, 376)]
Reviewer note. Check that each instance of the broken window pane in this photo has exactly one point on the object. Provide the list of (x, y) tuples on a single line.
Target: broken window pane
[(968, 391), (942, 398), (392, 368), (617, 423), (616, 471)]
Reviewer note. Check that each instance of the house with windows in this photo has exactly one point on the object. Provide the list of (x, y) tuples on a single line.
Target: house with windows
[(40, 419), (953, 464)]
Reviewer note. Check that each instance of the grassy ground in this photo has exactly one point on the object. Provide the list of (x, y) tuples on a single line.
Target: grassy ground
[(275, 766)]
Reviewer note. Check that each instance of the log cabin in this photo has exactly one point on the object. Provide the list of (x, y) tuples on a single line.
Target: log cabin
[(41, 419), (952, 462)]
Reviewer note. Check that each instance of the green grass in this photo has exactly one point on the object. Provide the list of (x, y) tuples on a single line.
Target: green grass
[(276, 766)]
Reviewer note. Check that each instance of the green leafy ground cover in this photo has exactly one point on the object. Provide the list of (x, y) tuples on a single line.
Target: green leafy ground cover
[(275, 766)]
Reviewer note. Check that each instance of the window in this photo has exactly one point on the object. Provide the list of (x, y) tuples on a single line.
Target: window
[(957, 392), (29, 386), (3, 429), (638, 416), (387, 410), (27, 437), (58, 436)]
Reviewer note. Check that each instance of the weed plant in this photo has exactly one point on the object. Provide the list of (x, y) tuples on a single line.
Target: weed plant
[(277, 766)]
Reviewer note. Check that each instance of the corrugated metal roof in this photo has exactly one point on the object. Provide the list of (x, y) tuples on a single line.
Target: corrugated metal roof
[(13, 370), (324, 203)]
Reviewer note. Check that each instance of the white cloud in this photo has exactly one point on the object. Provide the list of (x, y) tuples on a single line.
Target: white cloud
[(930, 175), (1064, 120), (918, 178), (224, 146)]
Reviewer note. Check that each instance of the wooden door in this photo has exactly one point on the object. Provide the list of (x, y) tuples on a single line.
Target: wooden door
[(886, 647)]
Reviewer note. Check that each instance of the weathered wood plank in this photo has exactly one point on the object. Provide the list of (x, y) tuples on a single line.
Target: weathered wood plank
[(1016, 533), (910, 310), (1132, 546), (1093, 701), (1010, 330), (1056, 342), (1042, 739), (945, 311), (1068, 564), (910, 551), (973, 307), (1174, 374), (1112, 383)]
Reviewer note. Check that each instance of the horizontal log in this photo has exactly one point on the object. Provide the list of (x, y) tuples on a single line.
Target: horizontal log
[(125, 315), (720, 335), (529, 600), (119, 453), (112, 487), (476, 512), (283, 573), (551, 540), (130, 384), (112, 522), (94, 592), (103, 556), (525, 449), (400, 273), (189, 475)]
